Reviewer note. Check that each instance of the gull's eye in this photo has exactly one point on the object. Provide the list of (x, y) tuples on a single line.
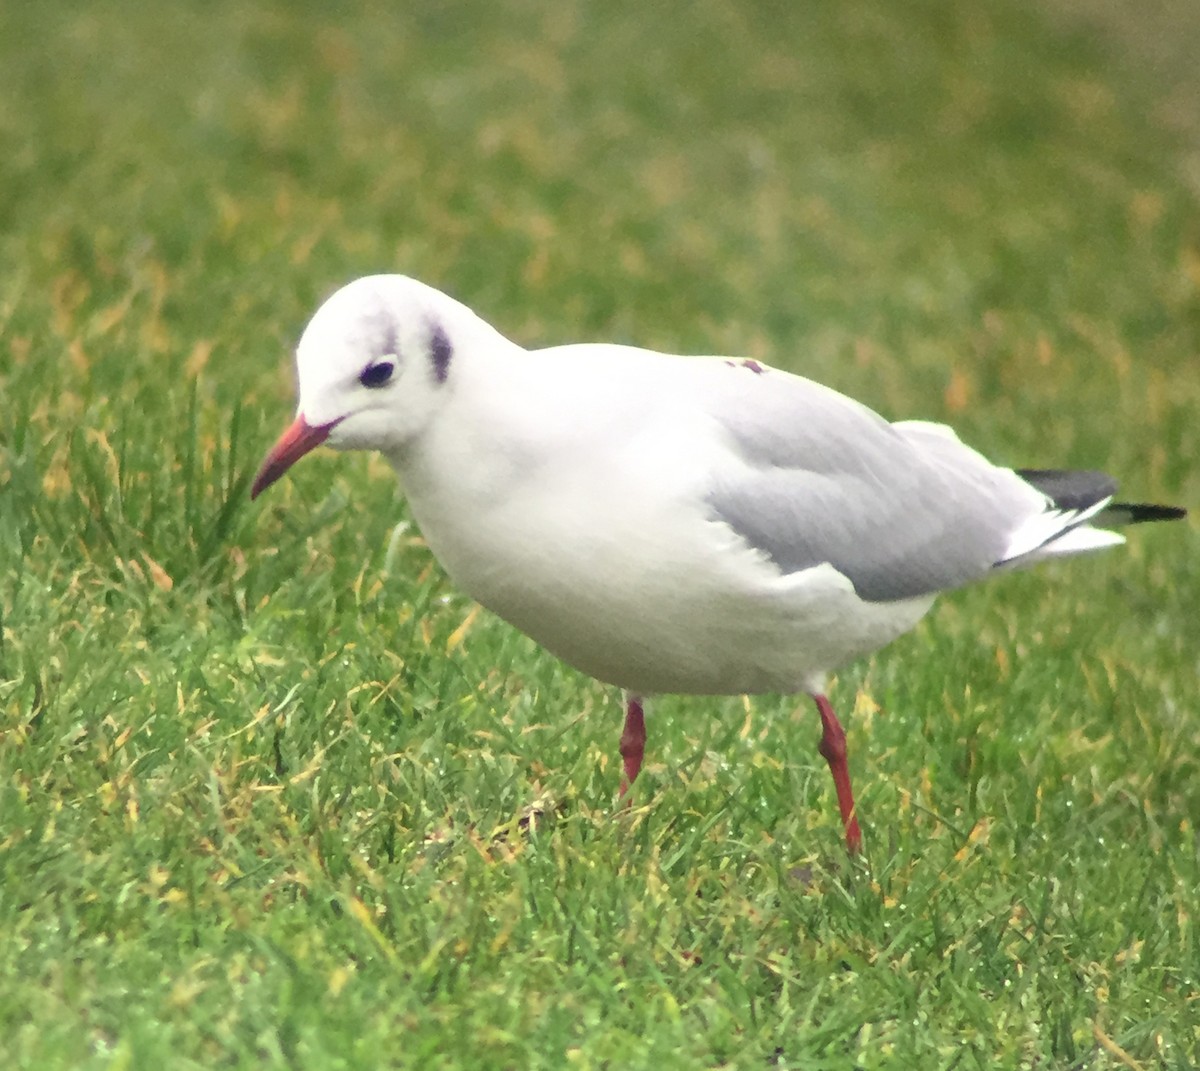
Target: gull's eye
[(376, 375)]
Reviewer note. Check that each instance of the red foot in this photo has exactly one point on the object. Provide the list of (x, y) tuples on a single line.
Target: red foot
[(833, 749), (633, 741)]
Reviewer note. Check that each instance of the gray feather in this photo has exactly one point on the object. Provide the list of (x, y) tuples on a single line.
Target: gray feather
[(901, 510)]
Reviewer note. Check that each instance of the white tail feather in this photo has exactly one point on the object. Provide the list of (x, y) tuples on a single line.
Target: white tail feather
[(1077, 541), (1052, 528)]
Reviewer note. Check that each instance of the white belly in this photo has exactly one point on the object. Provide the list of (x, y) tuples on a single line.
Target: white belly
[(659, 600)]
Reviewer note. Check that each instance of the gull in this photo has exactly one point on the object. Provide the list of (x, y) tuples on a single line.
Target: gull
[(669, 524)]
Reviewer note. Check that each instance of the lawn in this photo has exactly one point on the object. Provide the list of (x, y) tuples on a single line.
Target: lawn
[(274, 794)]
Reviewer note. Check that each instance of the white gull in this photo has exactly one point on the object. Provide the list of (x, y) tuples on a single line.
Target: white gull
[(696, 525)]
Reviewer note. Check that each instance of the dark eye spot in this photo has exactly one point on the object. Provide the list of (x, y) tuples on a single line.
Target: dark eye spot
[(376, 375)]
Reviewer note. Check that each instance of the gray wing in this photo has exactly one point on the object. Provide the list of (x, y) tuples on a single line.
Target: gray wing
[(899, 509)]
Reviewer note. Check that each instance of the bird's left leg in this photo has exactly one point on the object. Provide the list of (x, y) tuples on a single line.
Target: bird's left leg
[(833, 748), (633, 740)]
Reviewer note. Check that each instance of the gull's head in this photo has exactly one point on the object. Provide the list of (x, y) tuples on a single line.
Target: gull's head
[(372, 366)]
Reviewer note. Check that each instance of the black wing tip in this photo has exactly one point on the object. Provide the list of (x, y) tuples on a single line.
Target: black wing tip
[(1142, 512), (1075, 489), (1079, 489)]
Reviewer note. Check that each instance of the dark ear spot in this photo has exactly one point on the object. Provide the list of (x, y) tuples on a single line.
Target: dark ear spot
[(440, 352)]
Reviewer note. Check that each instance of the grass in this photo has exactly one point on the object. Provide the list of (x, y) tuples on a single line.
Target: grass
[(272, 796)]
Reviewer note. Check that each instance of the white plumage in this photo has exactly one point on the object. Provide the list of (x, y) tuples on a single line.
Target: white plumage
[(669, 524)]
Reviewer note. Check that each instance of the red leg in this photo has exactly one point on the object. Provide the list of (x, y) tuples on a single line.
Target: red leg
[(633, 741), (833, 748)]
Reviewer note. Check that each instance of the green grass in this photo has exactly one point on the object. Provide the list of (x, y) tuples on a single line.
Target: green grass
[(272, 798)]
